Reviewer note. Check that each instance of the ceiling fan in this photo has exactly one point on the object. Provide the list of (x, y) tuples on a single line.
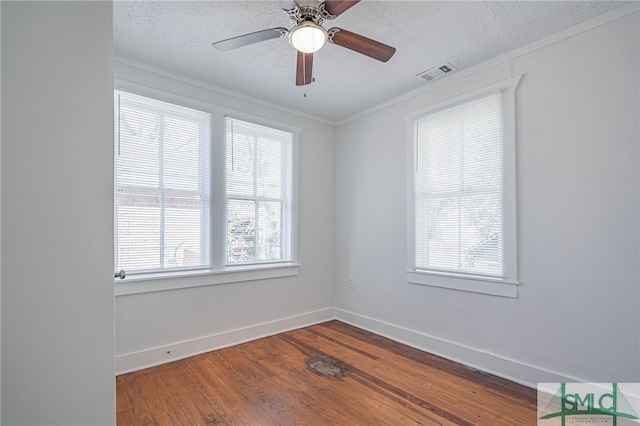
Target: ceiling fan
[(308, 36)]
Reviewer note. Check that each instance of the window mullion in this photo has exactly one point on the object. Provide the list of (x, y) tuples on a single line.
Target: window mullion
[(462, 189), (161, 186), (219, 196), (248, 198), (256, 229), (283, 185)]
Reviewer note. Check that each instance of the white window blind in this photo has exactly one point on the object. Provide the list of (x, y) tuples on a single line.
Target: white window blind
[(259, 180), (162, 188), (458, 189)]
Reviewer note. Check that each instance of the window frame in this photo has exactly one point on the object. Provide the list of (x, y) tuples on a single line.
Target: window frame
[(204, 188), (219, 272), (287, 231), (507, 285)]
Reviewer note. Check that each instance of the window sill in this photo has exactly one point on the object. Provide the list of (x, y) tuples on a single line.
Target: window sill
[(483, 285), (179, 280)]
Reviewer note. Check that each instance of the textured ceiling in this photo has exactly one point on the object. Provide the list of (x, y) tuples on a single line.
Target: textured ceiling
[(177, 36)]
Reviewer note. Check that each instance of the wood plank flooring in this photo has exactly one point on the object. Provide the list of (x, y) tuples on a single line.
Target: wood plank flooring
[(326, 374)]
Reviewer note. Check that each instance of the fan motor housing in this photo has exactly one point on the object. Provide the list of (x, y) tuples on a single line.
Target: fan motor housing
[(300, 14)]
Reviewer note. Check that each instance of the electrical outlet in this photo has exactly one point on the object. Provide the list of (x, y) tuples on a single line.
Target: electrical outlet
[(352, 282)]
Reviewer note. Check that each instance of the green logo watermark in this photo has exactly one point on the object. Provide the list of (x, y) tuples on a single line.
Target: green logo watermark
[(588, 403)]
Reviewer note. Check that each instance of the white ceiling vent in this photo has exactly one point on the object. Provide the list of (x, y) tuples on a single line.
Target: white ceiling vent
[(437, 72)]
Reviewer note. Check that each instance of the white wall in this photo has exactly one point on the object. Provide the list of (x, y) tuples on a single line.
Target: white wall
[(57, 213), (578, 312), (192, 320), (0, 216)]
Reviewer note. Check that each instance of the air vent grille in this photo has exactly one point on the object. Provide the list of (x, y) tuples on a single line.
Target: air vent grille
[(437, 72)]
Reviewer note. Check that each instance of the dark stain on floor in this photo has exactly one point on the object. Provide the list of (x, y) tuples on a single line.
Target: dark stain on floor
[(327, 366)]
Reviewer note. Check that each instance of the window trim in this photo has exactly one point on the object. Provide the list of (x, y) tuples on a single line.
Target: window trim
[(506, 286), (207, 277), (219, 273)]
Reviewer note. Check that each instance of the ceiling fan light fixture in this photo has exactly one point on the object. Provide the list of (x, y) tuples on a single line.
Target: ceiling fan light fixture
[(308, 37)]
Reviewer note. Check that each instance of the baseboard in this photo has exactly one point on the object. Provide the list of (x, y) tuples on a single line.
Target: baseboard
[(134, 361), (509, 369), (506, 368)]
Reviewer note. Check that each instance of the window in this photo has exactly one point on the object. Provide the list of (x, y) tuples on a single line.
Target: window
[(174, 217), (258, 193), (458, 188), (463, 194), (162, 186)]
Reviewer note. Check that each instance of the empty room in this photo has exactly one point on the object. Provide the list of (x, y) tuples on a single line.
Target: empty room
[(322, 213)]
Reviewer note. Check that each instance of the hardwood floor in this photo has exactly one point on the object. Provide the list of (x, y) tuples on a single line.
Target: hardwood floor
[(326, 374)]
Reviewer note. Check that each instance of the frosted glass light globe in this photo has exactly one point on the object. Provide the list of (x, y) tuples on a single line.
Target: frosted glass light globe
[(308, 37)]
